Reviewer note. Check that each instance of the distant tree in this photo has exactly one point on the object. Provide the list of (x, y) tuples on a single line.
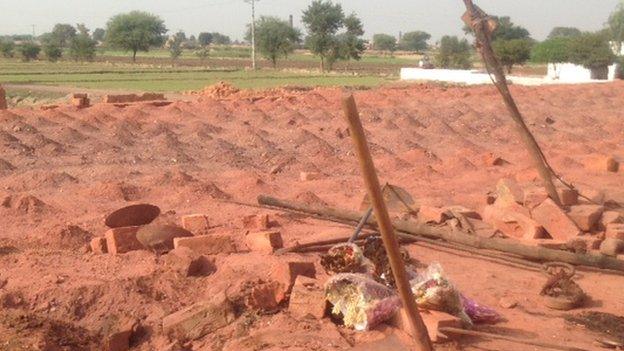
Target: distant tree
[(204, 39), (323, 19), (99, 34), (63, 33), (190, 43), (384, 42), (555, 50), (82, 47), (135, 31), (29, 51), (202, 54), (616, 27), (591, 50), (174, 45), (82, 29), (414, 41), (6, 48), (275, 38), (506, 30), (564, 32), (453, 53), (52, 51), (220, 39), (512, 52)]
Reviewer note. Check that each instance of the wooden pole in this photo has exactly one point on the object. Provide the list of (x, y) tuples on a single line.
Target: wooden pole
[(391, 244), (478, 21)]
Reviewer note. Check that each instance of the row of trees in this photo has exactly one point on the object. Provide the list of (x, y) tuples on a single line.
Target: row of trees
[(411, 41)]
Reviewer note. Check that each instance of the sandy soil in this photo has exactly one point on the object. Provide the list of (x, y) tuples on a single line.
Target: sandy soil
[(63, 170)]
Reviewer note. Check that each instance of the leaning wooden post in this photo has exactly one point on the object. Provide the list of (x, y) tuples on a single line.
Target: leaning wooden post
[(385, 225), (483, 27)]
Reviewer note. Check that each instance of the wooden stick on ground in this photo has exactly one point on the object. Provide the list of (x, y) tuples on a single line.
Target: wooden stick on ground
[(385, 225), (478, 21)]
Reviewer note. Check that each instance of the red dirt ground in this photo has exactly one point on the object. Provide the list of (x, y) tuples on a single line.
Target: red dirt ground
[(63, 170)]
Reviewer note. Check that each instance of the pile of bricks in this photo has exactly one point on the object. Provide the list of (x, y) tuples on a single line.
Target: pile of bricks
[(127, 98), (80, 100), (529, 214)]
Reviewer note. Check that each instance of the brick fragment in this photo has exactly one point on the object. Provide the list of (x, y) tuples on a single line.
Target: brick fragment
[(80, 101), (534, 197), (123, 239), (199, 319), (610, 217), (509, 191), (433, 320), (512, 222), (586, 217), (189, 263), (265, 242), (257, 222), (568, 197), (98, 246), (602, 163), (196, 223), (555, 220), (615, 231), (431, 214), (307, 299), (612, 247), (265, 296), (207, 244), (287, 272)]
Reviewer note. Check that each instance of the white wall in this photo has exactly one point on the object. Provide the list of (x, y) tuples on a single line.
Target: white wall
[(571, 73)]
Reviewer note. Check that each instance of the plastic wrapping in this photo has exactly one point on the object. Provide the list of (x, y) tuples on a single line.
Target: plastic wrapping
[(362, 302), (347, 258)]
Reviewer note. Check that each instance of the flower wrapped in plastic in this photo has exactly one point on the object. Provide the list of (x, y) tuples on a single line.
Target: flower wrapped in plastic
[(362, 302)]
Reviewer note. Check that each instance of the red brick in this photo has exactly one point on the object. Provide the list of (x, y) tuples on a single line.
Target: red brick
[(196, 223), (207, 244), (199, 319), (98, 246), (122, 240), (433, 320), (265, 296), (602, 163), (615, 231), (287, 272), (555, 220), (81, 102), (118, 339), (534, 197), (307, 299), (568, 197), (3, 102), (586, 217), (79, 95), (265, 242), (512, 222), (257, 222), (308, 176), (188, 263), (430, 214), (509, 191), (594, 195), (609, 217)]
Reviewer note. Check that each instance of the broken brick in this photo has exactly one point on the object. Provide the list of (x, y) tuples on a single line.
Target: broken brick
[(308, 176), (615, 231), (265, 242), (612, 247), (534, 197), (513, 223), (256, 222), (199, 319), (509, 191), (307, 299), (207, 244), (265, 296), (98, 246), (286, 273), (555, 220), (188, 263), (430, 214), (586, 217), (568, 197), (196, 223), (123, 239), (433, 321), (609, 217)]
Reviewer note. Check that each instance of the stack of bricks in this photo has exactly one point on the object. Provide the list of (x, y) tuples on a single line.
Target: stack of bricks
[(80, 100)]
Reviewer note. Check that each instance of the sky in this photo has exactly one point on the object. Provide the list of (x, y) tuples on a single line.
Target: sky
[(437, 17)]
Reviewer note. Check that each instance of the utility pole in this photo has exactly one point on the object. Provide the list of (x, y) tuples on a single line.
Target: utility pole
[(253, 32)]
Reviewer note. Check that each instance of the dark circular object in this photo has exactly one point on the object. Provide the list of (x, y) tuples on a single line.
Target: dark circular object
[(159, 238), (134, 215)]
